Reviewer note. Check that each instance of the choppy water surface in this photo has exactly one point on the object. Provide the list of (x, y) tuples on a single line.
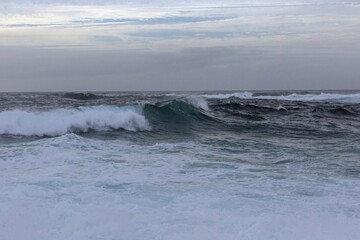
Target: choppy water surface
[(199, 165)]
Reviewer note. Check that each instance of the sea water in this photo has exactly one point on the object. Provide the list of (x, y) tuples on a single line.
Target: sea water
[(193, 165)]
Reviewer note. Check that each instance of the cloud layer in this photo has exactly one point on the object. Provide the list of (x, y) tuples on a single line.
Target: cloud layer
[(270, 44)]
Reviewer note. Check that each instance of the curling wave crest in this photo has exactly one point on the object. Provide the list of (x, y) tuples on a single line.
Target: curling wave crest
[(61, 121)]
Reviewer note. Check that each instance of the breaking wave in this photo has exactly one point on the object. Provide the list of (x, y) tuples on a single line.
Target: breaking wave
[(61, 121)]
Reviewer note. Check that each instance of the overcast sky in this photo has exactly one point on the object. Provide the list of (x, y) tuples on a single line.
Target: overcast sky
[(78, 45)]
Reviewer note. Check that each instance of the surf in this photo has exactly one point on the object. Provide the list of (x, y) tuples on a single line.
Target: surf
[(74, 120)]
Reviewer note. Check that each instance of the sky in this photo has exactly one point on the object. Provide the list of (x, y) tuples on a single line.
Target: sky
[(143, 45)]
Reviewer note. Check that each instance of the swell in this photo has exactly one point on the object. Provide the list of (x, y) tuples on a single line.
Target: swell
[(259, 107), (336, 111), (288, 119), (263, 107)]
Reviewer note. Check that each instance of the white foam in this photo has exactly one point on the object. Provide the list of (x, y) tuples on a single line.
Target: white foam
[(346, 98), (61, 121), (198, 102), (77, 188)]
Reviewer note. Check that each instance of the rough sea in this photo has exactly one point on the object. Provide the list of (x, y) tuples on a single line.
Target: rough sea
[(183, 165)]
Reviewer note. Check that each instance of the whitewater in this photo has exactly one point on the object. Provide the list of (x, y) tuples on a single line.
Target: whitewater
[(189, 165)]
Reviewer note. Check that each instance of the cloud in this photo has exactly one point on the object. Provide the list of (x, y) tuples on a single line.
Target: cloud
[(164, 27), (178, 45)]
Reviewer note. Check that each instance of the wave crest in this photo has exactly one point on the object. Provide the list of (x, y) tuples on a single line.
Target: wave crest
[(61, 121), (198, 102)]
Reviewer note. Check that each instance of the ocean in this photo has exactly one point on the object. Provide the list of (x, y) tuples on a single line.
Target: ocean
[(180, 165)]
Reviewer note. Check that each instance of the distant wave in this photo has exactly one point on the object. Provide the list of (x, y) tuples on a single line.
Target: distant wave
[(61, 121), (346, 98), (229, 95), (81, 96)]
